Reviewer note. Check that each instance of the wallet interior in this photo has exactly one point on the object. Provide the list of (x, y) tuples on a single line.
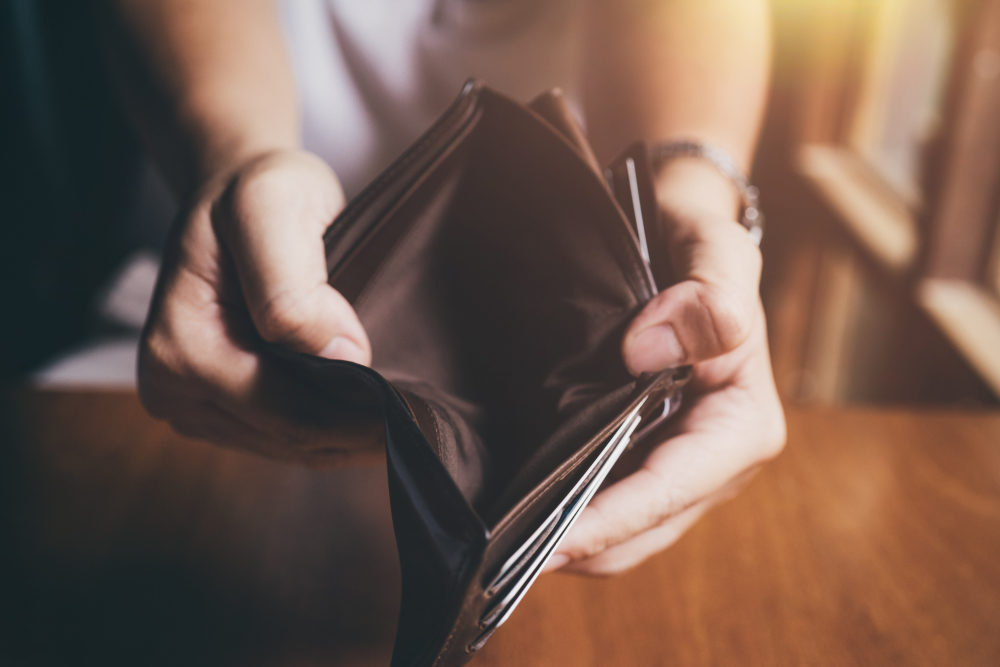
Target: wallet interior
[(495, 271), (495, 288)]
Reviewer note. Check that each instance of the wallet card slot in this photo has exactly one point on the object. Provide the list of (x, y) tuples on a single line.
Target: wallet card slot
[(481, 640), (657, 413), (527, 549), (515, 563), (569, 512)]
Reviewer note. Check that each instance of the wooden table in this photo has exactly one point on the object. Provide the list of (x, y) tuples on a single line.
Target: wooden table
[(873, 540)]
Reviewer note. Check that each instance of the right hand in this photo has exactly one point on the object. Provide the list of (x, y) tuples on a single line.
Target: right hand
[(246, 264)]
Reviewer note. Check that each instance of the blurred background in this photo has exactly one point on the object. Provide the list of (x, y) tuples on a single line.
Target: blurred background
[(880, 165), (879, 169)]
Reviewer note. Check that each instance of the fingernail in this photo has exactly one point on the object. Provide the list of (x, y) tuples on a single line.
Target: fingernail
[(555, 562), (344, 348), (655, 349)]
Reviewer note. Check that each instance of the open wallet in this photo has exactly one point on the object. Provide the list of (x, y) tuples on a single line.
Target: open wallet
[(495, 267)]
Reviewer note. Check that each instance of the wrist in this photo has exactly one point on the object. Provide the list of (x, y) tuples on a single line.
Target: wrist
[(688, 185), (222, 141), (226, 156)]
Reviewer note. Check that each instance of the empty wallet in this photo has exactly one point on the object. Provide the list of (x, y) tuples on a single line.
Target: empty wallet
[(495, 268)]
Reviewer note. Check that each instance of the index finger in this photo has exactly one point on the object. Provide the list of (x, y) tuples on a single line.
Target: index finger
[(272, 221)]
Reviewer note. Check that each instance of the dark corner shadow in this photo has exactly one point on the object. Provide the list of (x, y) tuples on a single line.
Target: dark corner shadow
[(75, 592)]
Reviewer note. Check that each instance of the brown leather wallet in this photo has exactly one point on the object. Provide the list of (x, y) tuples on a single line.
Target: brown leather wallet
[(495, 269)]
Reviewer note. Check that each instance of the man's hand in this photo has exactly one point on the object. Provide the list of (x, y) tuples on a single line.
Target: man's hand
[(692, 70), (246, 265), (731, 420)]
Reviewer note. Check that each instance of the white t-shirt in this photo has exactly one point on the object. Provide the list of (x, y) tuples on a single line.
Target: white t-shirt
[(373, 74)]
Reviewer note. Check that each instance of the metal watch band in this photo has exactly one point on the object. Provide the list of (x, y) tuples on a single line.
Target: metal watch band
[(751, 217)]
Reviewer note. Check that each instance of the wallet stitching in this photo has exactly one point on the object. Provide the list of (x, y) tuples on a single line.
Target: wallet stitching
[(433, 419), (436, 423), (447, 644), (451, 488)]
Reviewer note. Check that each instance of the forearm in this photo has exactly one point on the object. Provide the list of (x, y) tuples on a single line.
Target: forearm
[(208, 83), (666, 69)]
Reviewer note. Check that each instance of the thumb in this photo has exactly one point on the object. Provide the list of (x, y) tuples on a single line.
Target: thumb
[(272, 221), (711, 310), (312, 318)]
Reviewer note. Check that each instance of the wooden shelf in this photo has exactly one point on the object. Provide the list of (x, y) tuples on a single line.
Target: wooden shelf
[(875, 215), (970, 317)]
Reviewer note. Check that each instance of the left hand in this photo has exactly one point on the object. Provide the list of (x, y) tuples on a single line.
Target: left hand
[(731, 421)]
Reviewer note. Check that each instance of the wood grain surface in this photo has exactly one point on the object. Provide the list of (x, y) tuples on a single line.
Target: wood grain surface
[(873, 540)]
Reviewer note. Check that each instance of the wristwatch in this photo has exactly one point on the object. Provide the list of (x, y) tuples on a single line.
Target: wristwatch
[(751, 216)]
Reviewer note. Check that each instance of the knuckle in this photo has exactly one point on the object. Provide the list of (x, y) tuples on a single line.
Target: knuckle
[(582, 552), (601, 569), (673, 501), (154, 376), (273, 183), (188, 428), (611, 564), (775, 437), (263, 183), (774, 448), (260, 189), (670, 500), (754, 257), (153, 400), (281, 318), (729, 323), (166, 371)]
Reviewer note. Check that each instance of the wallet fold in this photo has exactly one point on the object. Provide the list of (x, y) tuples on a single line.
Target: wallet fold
[(495, 268)]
